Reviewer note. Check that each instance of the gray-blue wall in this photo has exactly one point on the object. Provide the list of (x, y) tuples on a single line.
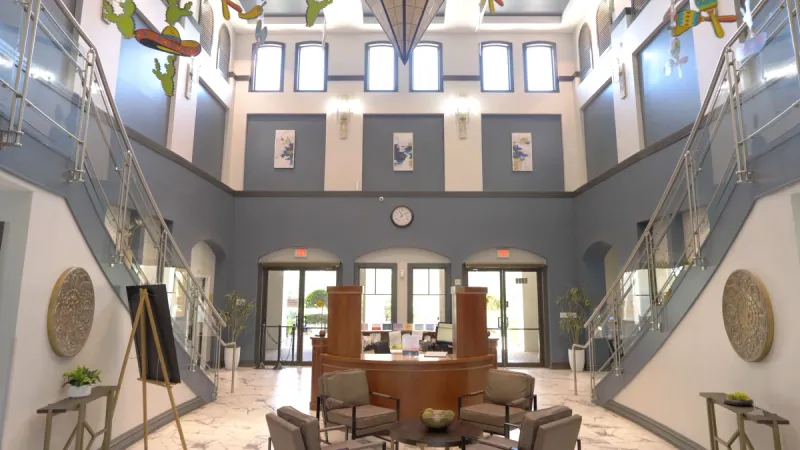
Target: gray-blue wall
[(668, 102), (377, 170), (140, 98), (601, 133), (309, 155), (548, 153), (209, 132)]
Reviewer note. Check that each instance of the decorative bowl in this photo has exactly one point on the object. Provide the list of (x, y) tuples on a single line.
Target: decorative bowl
[(438, 420), (742, 403)]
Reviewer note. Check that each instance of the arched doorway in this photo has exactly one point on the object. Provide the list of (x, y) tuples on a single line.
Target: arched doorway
[(516, 308), (292, 304)]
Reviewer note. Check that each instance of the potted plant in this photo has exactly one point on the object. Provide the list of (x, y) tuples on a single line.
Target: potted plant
[(235, 313), (575, 306), (80, 381)]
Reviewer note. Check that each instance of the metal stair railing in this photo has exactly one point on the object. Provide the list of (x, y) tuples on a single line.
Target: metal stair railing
[(142, 240), (695, 194)]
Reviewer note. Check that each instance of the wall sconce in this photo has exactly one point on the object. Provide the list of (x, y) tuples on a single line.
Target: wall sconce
[(462, 115), (343, 116)]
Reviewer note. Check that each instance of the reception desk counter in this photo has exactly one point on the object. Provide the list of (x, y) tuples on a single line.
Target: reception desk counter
[(418, 382)]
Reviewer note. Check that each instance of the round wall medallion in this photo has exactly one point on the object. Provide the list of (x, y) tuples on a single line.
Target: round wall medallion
[(71, 312), (747, 314)]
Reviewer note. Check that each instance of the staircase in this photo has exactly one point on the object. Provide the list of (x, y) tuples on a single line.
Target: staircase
[(742, 145), (60, 129)]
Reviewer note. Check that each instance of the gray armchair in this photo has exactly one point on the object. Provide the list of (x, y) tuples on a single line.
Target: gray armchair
[(507, 396), (290, 429), (345, 400), (552, 428)]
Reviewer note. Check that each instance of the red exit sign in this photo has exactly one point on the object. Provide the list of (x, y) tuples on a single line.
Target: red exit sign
[(301, 253), (503, 253)]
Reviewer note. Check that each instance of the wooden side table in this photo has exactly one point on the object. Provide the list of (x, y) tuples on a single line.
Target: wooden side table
[(743, 414), (79, 404)]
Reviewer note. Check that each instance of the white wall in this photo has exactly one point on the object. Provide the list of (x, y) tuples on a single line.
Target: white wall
[(698, 357), (54, 243), (204, 265), (403, 257), (463, 171)]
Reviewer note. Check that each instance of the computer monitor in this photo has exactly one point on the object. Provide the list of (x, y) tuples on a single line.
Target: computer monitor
[(444, 333)]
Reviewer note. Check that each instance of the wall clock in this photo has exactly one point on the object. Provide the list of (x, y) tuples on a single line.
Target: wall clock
[(402, 216)]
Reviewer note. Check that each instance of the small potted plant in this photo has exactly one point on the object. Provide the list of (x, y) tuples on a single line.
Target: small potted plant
[(575, 306), (235, 313), (80, 381)]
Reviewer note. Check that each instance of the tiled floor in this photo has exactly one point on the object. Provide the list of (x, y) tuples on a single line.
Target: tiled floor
[(236, 421)]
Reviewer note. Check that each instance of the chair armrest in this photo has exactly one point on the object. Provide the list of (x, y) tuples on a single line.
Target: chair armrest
[(331, 428), (396, 401), (508, 426), (462, 397), (529, 400), (494, 444), (512, 425)]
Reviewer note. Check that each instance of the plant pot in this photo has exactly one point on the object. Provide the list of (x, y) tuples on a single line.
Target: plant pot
[(79, 391), (322, 333), (580, 359), (232, 357)]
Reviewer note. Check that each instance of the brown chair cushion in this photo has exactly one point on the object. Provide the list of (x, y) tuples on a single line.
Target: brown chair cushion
[(491, 414), (534, 420), (559, 435), (493, 443), (285, 436), (504, 387), (367, 416), (347, 388), (366, 442), (309, 426)]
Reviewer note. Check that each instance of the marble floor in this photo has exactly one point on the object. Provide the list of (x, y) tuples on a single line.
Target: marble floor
[(236, 420)]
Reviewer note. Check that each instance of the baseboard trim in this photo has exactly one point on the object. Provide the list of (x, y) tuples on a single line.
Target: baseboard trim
[(657, 428), (135, 434), (560, 366)]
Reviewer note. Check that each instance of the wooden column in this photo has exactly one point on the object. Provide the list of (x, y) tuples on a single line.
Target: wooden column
[(319, 345), (469, 322), (344, 321), (492, 350)]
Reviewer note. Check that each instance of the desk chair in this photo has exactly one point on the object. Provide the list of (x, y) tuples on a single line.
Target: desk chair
[(345, 400), (292, 430), (507, 396), (552, 428)]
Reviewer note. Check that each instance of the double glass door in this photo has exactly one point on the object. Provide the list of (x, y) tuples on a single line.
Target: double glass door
[(513, 313), (296, 309)]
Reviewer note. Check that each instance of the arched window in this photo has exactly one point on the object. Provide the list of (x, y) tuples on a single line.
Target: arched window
[(224, 51), (637, 6), (268, 63), (311, 67), (585, 50), (496, 67), (206, 27), (539, 58), (603, 20), (426, 67), (381, 67)]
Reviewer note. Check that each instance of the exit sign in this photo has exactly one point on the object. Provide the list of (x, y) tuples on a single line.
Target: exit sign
[(503, 253), (301, 253)]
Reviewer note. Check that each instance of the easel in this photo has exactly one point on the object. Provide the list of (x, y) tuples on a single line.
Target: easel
[(145, 308)]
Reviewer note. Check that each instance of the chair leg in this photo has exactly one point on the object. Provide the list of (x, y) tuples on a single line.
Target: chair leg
[(535, 402), (579, 444), (269, 443)]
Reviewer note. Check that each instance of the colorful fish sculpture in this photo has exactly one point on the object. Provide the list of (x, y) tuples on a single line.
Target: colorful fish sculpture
[(675, 63), (687, 19)]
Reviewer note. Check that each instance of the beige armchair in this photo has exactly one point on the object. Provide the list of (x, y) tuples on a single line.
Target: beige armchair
[(507, 396), (290, 429), (345, 400), (552, 428)]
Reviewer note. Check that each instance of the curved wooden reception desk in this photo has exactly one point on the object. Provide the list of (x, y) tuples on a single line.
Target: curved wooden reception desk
[(418, 382)]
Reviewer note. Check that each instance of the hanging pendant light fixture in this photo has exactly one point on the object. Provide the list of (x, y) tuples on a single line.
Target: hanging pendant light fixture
[(404, 21)]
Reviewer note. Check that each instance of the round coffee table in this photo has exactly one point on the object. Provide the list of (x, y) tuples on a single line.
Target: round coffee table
[(414, 432)]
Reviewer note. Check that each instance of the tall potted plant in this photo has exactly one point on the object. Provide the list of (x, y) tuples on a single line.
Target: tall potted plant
[(575, 307), (235, 313)]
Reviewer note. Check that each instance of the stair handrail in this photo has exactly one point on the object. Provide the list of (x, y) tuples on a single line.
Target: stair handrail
[(207, 304), (678, 168)]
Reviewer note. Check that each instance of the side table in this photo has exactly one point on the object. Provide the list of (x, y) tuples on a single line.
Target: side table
[(743, 413), (79, 404)]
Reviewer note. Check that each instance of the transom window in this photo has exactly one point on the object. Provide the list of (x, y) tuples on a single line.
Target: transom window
[(427, 296), (268, 67), (378, 300), (540, 67), (311, 68), (585, 51), (381, 68), (496, 68), (426, 67)]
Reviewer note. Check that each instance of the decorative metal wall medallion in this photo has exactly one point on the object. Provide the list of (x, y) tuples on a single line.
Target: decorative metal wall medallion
[(747, 314), (71, 312)]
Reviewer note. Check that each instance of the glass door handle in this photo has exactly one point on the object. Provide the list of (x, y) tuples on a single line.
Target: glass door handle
[(499, 324)]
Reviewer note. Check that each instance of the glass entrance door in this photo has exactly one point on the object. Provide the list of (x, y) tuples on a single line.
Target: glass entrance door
[(296, 309), (513, 313)]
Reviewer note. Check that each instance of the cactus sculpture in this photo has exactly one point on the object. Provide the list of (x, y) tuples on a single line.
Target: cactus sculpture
[(124, 21), (167, 77), (175, 11)]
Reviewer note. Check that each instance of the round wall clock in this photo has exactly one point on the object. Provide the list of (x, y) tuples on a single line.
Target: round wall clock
[(402, 216)]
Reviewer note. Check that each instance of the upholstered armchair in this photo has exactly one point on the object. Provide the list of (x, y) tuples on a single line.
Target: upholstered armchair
[(507, 396), (345, 400), (552, 428), (290, 429)]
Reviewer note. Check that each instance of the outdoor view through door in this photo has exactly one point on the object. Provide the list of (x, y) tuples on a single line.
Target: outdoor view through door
[(296, 310), (513, 313)]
